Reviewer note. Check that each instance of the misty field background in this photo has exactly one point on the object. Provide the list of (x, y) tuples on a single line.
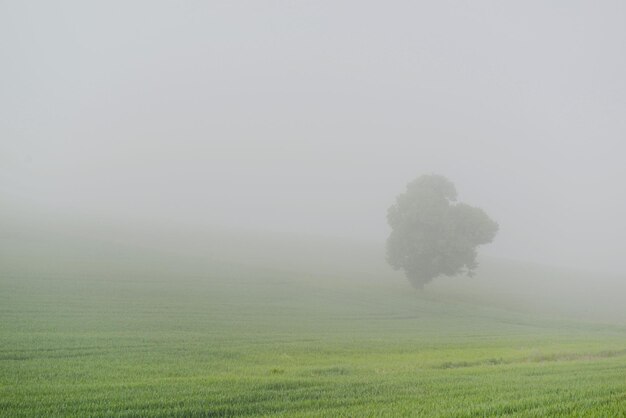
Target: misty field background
[(145, 327), (194, 202)]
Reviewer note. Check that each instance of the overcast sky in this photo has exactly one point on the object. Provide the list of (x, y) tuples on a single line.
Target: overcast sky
[(311, 116)]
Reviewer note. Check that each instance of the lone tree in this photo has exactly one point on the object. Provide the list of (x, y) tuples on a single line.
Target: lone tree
[(431, 235)]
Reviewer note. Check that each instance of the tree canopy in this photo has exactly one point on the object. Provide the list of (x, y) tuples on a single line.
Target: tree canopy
[(432, 235)]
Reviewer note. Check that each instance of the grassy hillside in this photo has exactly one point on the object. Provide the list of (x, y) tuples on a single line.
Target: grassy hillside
[(106, 327)]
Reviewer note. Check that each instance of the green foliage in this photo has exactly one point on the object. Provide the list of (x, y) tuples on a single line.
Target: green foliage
[(431, 235)]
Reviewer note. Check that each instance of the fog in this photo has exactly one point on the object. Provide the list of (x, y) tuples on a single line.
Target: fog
[(310, 117)]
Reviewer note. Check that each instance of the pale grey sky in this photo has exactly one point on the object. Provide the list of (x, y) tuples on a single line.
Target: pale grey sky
[(312, 115)]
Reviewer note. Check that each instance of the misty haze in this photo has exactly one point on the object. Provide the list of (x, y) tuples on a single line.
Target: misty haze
[(312, 208)]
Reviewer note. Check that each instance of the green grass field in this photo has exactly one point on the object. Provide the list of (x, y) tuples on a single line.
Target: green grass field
[(207, 338)]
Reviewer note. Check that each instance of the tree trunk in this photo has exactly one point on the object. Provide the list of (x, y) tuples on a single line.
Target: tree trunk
[(418, 284)]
